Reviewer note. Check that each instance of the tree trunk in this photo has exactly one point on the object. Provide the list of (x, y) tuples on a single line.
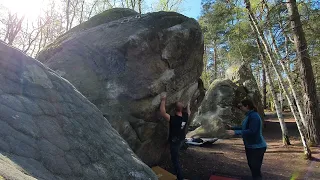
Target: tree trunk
[(278, 107), (306, 73), (74, 10), (133, 4), (300, 125), (139, 4), (284, 68), (281, 100), (13, 27), (167, 6), (264, 89), (285, 136), (67, 14), (92, 7), (205, 61), (39, 30), (81, 12), (294, 93), (40, 43), (215, 58)]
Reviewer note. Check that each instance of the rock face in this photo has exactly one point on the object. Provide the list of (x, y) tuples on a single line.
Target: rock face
[(241, 75), (219, 106), (51, 131), (123, 66)]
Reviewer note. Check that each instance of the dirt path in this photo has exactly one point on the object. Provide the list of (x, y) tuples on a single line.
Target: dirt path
[(227, 157)]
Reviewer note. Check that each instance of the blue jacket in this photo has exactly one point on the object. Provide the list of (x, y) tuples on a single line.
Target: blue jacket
[(251, 131)]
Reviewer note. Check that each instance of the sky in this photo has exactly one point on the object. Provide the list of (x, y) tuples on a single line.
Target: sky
[(29, 7), (192, 8)]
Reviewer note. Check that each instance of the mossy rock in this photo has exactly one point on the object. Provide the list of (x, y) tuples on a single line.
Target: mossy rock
[(102, 18)]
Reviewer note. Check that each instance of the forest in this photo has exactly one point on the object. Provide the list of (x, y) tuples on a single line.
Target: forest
[(278, 40)]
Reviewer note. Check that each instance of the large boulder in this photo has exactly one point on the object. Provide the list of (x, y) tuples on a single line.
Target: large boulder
[(123, 66), (242, 75), (105, 17), (49, 130), (218, 108)]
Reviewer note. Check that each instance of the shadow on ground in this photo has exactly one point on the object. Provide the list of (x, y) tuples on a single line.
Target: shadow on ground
[(227, 157)]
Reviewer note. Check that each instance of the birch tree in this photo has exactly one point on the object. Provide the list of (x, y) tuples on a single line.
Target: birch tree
[(268, 51), (278, 107)]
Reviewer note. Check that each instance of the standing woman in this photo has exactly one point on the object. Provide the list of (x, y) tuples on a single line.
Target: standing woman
[(251, 131)]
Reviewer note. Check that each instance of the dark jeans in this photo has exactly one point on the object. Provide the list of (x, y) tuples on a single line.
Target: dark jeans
[(174, 151), (255, 158)]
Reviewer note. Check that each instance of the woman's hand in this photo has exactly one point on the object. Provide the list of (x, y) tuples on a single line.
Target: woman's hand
[(228, 126), (230, 132)]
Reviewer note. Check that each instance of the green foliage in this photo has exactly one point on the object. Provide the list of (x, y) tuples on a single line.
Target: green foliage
[(227, 30), (206, 74), (310, 14)]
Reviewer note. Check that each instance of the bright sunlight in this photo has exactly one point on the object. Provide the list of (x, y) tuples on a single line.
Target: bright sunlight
[(31, 9)]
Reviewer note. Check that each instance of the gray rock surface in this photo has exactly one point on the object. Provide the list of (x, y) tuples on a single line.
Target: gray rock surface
[(218, 108), (242, 75), (123, 66), (49, 130)]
